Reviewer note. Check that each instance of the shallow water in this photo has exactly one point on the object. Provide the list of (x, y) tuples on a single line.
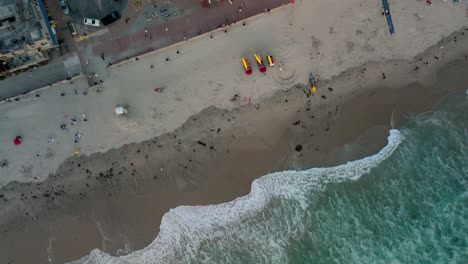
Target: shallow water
[(406, 204)]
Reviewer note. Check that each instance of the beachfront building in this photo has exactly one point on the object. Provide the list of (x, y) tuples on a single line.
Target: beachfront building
[(25, 34)]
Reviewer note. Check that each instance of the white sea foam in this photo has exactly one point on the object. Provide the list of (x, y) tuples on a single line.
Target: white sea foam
[(184, 228)]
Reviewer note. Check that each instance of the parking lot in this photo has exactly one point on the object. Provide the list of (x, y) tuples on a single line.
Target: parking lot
[(78, 10)]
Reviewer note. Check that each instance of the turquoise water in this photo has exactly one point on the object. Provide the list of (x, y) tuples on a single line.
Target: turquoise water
[(406, 204), (412, 208)]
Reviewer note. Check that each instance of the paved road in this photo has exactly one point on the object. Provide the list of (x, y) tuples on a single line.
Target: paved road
[(60, 69)]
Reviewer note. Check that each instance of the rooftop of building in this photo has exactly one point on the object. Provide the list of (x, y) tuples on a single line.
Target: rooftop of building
[(19, 25)]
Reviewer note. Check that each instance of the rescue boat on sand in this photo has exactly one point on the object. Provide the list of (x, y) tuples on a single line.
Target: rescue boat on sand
[(261, 65), (246, 65), (271, 60)]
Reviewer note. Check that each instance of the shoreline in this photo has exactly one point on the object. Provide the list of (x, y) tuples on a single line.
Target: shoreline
[(105, 200)]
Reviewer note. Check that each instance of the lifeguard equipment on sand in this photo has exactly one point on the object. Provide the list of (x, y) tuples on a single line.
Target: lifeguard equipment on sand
[(260, 64), (246, 65), (121, 110), (312, 83), (271, 60)]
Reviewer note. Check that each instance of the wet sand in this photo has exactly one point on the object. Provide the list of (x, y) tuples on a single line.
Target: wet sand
[(115, 200)]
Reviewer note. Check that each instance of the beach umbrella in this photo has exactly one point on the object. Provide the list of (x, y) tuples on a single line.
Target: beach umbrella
[(17, 141)]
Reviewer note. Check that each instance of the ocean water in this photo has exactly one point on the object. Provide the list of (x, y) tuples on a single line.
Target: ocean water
[(406, 204)]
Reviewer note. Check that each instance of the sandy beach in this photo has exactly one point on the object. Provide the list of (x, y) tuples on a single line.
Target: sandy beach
[(214, 130)]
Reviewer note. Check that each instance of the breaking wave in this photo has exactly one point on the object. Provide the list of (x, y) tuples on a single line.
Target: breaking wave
[(191, 234), (406, 204)]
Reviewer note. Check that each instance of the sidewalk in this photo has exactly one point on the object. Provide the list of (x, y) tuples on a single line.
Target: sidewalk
[(57, 70)]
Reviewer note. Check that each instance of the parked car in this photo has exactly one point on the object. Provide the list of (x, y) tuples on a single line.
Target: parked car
[(111, 18), (64, 6), (72, 27), (91, 22)]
